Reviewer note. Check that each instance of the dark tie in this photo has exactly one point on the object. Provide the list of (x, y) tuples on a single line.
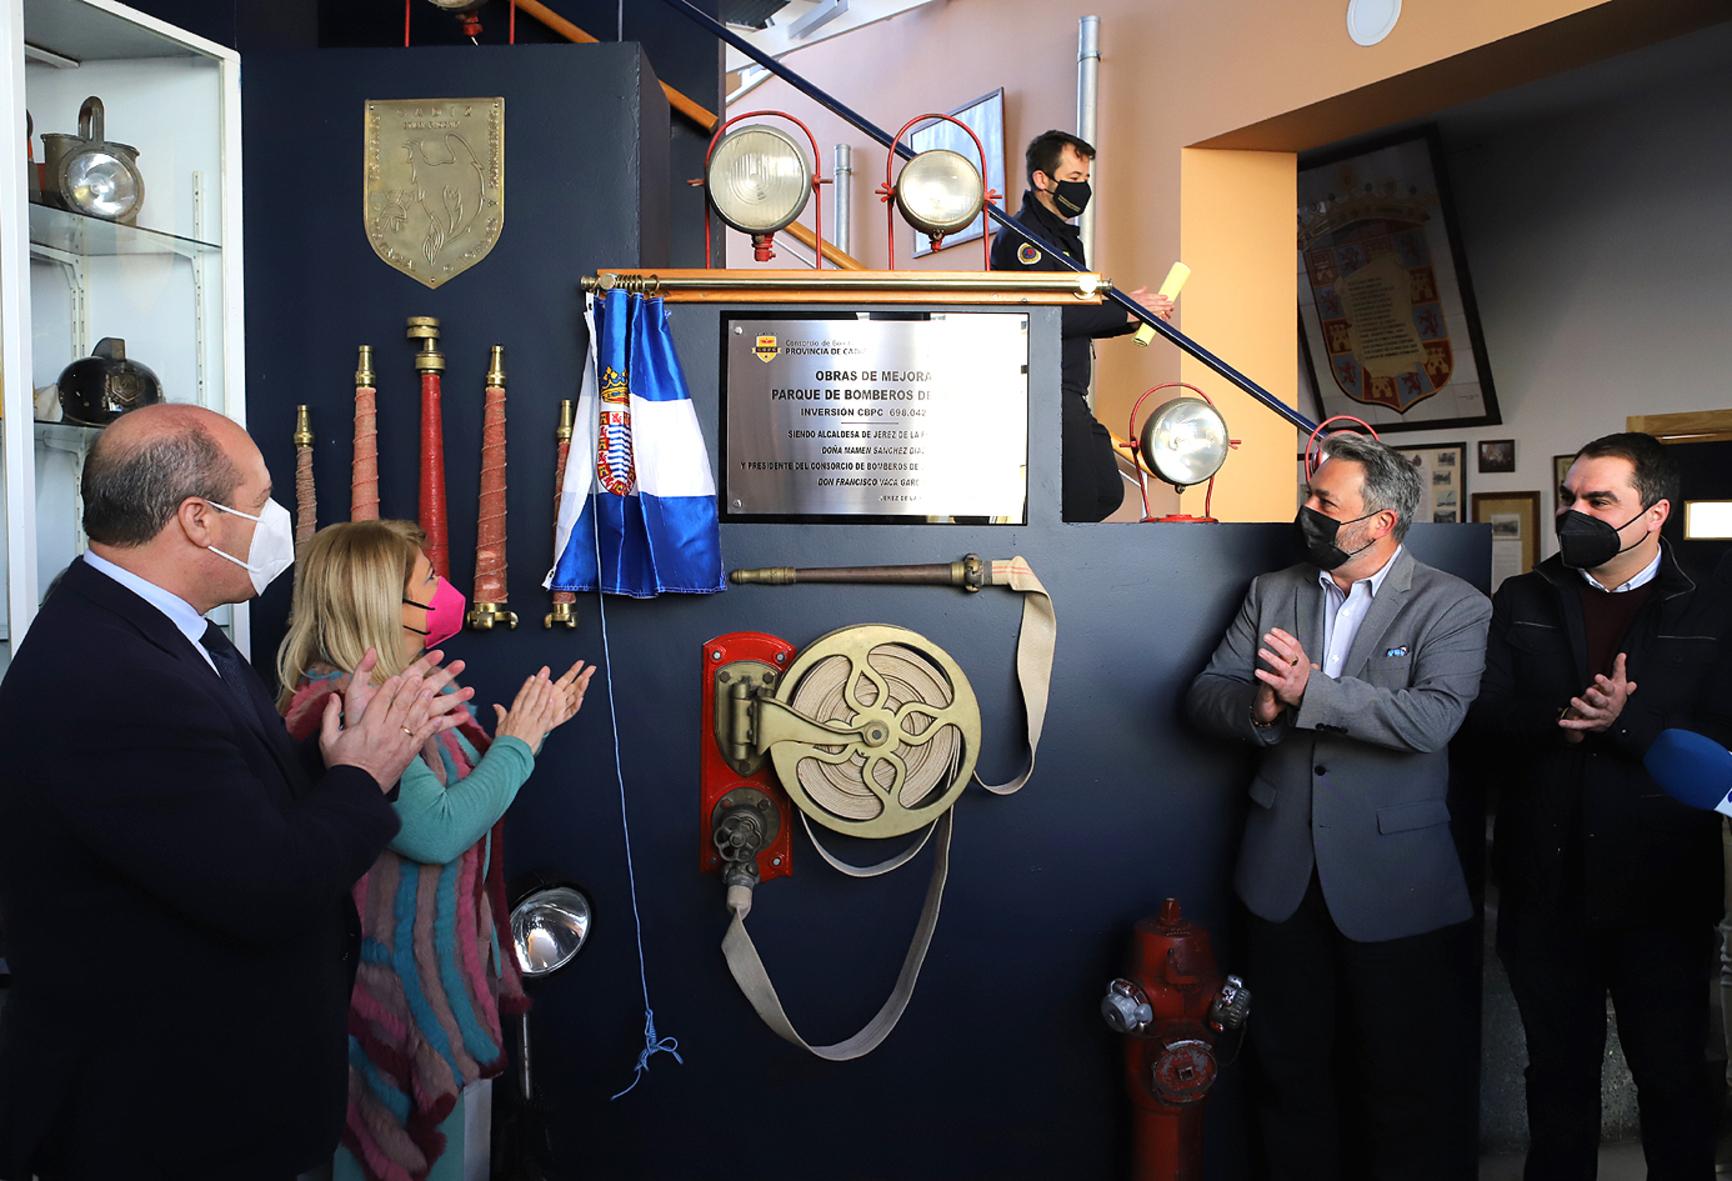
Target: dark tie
[(232, 667), (255, 704)]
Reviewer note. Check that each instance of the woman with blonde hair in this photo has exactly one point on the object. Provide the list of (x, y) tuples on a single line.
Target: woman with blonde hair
[(424, 1016)]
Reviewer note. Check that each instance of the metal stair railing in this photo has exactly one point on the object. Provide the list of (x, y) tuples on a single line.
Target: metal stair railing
[(836, 107)]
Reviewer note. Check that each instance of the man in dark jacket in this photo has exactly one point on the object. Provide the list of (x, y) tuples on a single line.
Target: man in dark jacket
[(174, 871), (1058, 190), (1606, 884)]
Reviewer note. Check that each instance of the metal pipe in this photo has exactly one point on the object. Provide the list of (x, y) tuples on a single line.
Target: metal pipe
[(720, 31), (1088, 80), (1084, 283), (969, 573), (842, 186)]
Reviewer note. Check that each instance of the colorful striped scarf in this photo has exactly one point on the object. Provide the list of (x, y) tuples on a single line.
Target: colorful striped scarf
[(433, 979)]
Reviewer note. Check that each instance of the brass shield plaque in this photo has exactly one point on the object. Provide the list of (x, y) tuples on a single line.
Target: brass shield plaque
[(434, 192)]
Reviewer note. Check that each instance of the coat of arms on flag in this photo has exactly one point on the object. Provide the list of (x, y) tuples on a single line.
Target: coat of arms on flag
[(613, 466), (637, 514)]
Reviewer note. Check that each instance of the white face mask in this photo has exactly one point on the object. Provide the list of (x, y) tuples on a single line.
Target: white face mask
[(273, 548)]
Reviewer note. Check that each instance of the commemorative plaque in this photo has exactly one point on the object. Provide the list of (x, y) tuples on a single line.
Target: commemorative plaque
[(851, 417)]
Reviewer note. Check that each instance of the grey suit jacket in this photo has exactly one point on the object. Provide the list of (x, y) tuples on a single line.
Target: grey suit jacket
[(1354, 782)]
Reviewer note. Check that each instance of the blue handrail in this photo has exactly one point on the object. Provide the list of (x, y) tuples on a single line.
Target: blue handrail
[(711, 24)]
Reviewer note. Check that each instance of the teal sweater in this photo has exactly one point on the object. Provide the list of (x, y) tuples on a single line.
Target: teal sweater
[(439, 822)]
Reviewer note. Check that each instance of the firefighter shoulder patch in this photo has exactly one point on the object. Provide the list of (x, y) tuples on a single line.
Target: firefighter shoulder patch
[(1027, 255)]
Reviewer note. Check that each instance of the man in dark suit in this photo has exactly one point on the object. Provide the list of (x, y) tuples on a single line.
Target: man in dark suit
[(1058, 189), (1607, 886), (1350, 673), (174, 871)]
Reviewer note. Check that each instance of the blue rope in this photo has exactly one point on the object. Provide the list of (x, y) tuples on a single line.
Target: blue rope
[(652, 1044)]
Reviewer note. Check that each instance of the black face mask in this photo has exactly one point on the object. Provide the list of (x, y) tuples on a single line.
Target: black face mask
[(1587, 543), (1319, 532), (1072, 197)]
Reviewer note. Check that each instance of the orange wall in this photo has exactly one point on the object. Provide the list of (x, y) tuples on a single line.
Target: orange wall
[(1173, 75)]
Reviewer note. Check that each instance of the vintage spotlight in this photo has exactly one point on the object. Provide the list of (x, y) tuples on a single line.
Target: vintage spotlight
[(1183, 441), (88, 174), (939, 192), (758, 181), (550, 923), (549, 926)]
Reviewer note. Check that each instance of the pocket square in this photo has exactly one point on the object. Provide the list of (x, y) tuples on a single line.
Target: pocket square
[(1401, 651)]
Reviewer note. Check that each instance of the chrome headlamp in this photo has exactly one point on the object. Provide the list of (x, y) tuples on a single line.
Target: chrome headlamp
[(549, 926), (758, 179), (1184, 441), (940, 192)]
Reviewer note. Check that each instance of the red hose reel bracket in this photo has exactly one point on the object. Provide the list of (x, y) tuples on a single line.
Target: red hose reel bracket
[(736, 666)]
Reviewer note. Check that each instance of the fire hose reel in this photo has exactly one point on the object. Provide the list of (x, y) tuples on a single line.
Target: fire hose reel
[(871, 731)]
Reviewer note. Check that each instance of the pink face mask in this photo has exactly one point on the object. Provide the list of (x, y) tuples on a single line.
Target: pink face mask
[(444, 614)]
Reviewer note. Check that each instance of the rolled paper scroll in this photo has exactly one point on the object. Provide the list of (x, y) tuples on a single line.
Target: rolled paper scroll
[(564, 612), (430, 364), (364, 471), (1170, 287), (306, 497), (488, 602)]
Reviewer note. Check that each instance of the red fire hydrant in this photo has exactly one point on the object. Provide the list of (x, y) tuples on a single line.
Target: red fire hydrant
[(1173, 1007)]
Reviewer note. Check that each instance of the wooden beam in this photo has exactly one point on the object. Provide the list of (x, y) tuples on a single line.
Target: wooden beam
[(1701, 426)]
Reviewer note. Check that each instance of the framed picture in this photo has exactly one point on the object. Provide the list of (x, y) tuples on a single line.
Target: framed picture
[(1497, 455), (985, 117), (1442, 469), (1560, 469), (1514, 518), (1389, 330)]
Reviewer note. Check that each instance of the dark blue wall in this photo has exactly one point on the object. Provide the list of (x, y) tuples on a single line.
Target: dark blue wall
[(1002, 1067)]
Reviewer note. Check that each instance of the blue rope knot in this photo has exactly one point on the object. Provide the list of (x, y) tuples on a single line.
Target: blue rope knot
[(652, 1045)]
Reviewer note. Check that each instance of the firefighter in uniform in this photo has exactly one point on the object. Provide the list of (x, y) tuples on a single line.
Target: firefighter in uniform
[(1058, 179)]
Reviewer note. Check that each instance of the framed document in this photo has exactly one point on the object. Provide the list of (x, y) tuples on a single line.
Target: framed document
[(1388, 326), (1497, 455), (1560, 469), (985, 117), (1514, 518), (1442, 471), (865, 417)]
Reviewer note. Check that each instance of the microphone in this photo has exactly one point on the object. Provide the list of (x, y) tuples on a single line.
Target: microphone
[(1692, 769)]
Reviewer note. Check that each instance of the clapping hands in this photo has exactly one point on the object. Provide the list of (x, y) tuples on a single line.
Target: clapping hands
[(544, 704)]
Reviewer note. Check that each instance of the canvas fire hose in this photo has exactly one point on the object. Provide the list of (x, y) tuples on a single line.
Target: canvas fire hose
[(430, 364), (871, 731), (306, 496), (564, 613), (1035, 639), (487, 605), (364, 468)]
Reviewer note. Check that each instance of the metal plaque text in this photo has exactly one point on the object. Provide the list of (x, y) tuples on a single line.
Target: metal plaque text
[(868, 418)]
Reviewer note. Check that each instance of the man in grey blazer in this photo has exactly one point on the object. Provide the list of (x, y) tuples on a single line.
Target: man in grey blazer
[(1351, 672)]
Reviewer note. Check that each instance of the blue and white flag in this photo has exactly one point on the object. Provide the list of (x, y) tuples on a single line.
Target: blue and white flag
[(637, 472)]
